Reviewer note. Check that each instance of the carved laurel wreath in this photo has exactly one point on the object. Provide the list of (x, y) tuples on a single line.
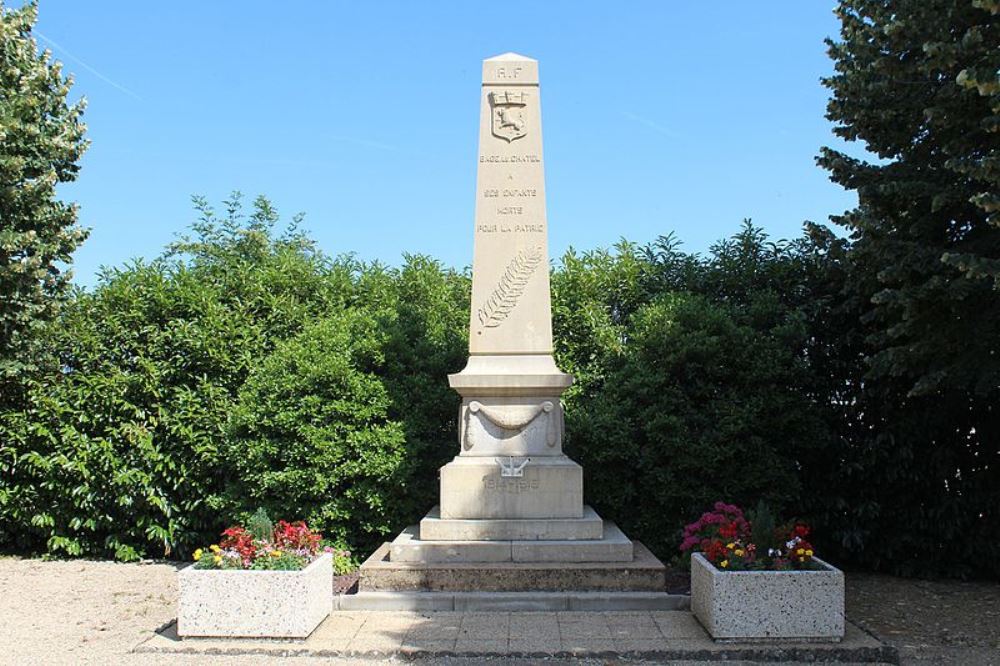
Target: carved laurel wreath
[(509, 289)]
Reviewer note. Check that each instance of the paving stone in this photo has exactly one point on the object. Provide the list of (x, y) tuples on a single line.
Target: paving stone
[(584, 646), (678, 624), (641, 645), (534, 646), (479, 647), (427, 644), (337, 626), (640, 627), (531, 626)]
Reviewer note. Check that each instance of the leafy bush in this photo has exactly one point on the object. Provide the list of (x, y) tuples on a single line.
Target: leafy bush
[(310, 436), (697, 406)]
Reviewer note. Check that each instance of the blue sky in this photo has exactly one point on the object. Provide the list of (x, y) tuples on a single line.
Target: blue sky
[(659, 117)]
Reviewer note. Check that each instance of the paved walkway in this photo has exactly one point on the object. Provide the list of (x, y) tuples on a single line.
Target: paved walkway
[(645, 634)]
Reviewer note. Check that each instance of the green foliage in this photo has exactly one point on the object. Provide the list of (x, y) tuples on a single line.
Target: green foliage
[(41, 142), (283, 562), (764, 529), (915, 328), (241, 369), (260, 526), (310, 435), (694, 383)]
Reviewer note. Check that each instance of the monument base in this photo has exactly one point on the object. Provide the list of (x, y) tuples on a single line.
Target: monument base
[(435, 528), (474, 487), (613, 546), (644, 573)]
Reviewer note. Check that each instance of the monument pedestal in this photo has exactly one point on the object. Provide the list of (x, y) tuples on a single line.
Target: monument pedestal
[(486, 487), (511, 517)]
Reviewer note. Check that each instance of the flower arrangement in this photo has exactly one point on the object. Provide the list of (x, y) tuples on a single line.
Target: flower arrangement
[(732, 543), (263, 545)]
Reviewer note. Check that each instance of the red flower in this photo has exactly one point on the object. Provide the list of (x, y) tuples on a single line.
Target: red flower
[(729, 530), (295, 536), (238, 539), (800, 530), (714, 550)]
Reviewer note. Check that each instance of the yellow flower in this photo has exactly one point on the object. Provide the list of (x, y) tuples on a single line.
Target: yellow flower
[(197, 555), (724, 563), (214, 548), (275, 553), (217, 559), (730, 546), (802, 559), (809, 553), (738, 552), (800, 551)]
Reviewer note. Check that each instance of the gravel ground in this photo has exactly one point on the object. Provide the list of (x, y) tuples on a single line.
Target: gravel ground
[(83, 612)]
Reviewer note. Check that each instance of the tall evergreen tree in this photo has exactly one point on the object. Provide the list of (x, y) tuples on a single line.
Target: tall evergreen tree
[(916, 82), (41, 142)]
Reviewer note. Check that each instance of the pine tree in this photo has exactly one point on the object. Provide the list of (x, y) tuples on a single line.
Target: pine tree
[(41, 142), (917, 321), (917, 82)]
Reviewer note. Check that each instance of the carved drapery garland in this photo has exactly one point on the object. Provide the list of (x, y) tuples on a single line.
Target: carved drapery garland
[(517, 418)]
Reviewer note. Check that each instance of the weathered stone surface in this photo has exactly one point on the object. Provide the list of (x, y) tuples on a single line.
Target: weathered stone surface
[(747, 605), (643, 573), (476, 488), (275, 604), (408, 547), (613, 546), (435, 528)]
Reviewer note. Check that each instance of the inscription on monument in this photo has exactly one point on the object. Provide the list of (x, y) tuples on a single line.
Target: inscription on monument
[(510, 484)]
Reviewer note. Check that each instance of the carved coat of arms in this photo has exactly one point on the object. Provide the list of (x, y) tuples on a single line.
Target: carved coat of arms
[(509, 117)]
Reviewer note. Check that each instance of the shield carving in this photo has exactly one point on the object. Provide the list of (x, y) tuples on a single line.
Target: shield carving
[(509, 116)]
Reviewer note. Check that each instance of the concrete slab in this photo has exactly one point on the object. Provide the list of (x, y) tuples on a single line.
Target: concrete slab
[(435, 528), (564, 635)]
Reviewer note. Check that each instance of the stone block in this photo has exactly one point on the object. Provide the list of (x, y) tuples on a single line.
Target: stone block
[(408, 547), (258, 604), (644, 573), (435, 528), (396, 601), (756, 605), (548, 488), (614, 546)]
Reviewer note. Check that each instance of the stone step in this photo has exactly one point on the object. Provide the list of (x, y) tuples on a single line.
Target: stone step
[(613, 546), (511, 601), (435, 528), (644, 573)]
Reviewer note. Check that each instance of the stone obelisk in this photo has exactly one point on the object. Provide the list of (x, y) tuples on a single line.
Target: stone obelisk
[(511, 516), (510, 463)]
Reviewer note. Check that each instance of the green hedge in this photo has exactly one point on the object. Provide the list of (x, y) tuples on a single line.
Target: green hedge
[(243, 368)]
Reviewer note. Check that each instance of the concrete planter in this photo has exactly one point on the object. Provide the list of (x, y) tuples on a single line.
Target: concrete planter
[(763, 605), (259, 604)]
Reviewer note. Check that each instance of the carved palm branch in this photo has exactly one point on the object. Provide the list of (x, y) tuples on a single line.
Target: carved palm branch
[(509, 289)]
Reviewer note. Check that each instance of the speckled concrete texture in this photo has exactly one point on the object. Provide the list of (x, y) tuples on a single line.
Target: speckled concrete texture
[(747, 605), (272, 604)]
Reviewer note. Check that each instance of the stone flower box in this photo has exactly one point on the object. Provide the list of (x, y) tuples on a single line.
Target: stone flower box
[(763, 605), (258, 604)]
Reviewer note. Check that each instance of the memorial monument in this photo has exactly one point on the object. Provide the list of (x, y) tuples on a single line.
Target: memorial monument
[(511, 515)]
